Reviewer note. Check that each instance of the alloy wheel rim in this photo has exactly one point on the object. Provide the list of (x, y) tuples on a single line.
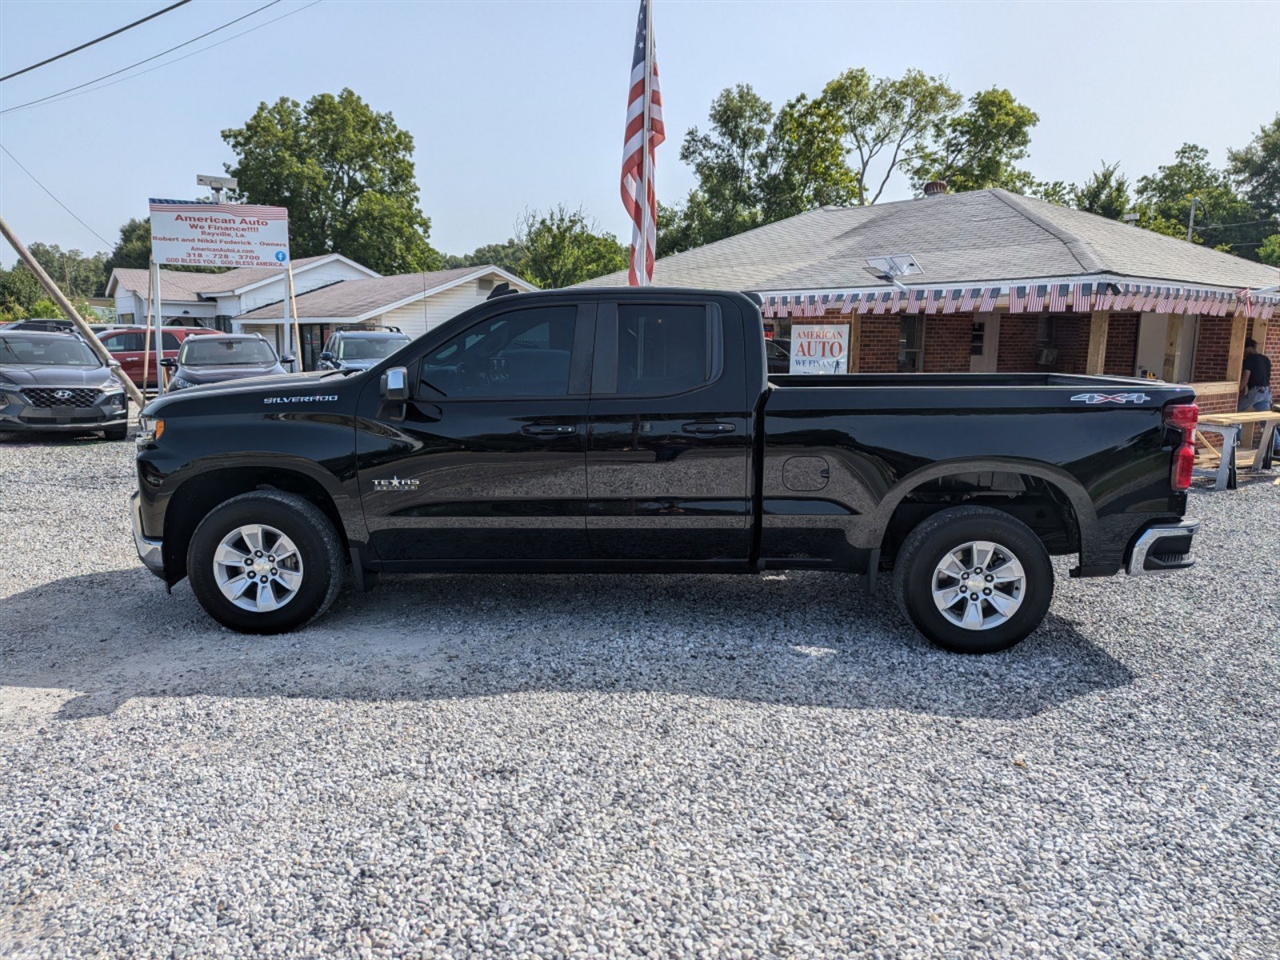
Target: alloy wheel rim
[(979, 585), (257, 568)]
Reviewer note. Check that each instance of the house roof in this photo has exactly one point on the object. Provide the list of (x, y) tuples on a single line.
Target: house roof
[(361, 299), (179, 285), (983, 235)]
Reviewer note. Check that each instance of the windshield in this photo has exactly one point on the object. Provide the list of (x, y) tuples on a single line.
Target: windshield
[(207, 352), (353, 349), (62, 352)]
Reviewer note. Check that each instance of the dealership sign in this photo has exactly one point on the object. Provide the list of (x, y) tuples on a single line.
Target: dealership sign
[(196, 234), (820, 348)]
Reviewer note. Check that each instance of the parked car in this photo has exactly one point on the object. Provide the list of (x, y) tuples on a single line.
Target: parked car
[(54, 382), (636, 430), (130, 347), (360, 349), (777, 353), (54, 325), (224, 356)]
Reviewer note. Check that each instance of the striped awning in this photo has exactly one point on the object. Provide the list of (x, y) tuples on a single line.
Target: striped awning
[(1025, 298)]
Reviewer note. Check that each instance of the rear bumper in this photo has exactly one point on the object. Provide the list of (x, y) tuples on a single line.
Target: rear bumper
[(150, 552), (1162, 547)]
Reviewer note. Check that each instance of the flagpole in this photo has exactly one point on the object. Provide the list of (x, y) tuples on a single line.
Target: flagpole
[(297, 334), (162, 382), (146, 354), (646, 173)]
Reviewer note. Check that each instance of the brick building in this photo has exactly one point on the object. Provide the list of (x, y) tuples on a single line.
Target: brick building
[(1009, 284)]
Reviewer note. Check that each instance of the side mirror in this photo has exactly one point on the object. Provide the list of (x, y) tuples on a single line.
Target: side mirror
[(288, 359), (113, 364), (168, 362), (327, 356), (395, 385)]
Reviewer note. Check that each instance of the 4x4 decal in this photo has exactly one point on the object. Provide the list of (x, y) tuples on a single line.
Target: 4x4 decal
[(1110, 398)]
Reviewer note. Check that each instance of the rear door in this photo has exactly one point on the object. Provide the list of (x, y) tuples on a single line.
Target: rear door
[(486, 462), (668, 433), (125, 346)]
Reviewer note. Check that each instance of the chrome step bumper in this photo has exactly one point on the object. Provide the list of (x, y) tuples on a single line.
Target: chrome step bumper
[(1165, 546)]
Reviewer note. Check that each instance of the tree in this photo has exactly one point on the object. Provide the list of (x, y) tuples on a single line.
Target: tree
[(133, 249), (1223, 218), (805, 164), (1255, 169), (505, 255), (979, 147), (1269, 250), (885, 121), (563, 247), (346, 174), (19, 292), (1105, 193), (76, 274)]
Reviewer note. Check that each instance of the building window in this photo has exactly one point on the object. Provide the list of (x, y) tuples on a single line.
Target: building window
[(977, 337), (911, 344)]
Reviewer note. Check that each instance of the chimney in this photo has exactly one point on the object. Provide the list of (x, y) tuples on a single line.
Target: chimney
[(935, 188)]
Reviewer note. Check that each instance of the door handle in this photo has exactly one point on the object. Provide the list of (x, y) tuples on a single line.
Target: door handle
[(548, 429), (705, 427)]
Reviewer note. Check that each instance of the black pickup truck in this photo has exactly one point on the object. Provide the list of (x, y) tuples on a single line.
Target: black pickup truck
[(638, 431)]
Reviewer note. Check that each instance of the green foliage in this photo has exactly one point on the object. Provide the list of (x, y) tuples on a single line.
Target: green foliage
[(563, 247), (1255, 169), (887, 123), (19, 292), (45, 309), (979, 147), (1223, 218), (554, 249), (346, 174), (1105, 193), (1269, 250), (133, 249), (505, 255), (76, 274)]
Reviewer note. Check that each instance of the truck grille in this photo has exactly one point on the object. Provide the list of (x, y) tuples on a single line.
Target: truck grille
[(46, 396)]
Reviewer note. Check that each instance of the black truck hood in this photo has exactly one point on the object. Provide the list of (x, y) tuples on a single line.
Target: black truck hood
[(41, 375), (281, 384)]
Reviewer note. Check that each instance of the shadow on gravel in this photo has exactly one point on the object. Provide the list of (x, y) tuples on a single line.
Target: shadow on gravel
[(803, 640)]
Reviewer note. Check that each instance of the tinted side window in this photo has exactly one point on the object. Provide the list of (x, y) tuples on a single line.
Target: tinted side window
[(524, 353), (124, 342), (663, 349), (169, 341)]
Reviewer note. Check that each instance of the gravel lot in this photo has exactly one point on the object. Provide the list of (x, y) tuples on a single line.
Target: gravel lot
[(458, 766)]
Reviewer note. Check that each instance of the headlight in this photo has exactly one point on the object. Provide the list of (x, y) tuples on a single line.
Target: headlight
[(149, 429)]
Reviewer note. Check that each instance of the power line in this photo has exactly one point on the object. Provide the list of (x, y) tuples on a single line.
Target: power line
[(105, 36), (193, 53), (113, 73), (109, 244)]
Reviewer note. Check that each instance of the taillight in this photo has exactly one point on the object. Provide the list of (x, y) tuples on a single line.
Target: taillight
[(1183, 417)]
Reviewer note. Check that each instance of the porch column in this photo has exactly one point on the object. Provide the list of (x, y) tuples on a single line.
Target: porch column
[(854, 362), (1172, 341), (1235, 352), (1098, 326)]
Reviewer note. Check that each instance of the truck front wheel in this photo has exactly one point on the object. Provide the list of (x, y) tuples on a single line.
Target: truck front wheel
[(265, 562), (973, 579)]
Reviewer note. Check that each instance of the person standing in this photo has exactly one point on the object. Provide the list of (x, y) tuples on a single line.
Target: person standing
[(1255, 379)]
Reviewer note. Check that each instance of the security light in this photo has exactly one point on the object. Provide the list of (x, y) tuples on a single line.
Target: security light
[(892, 267)]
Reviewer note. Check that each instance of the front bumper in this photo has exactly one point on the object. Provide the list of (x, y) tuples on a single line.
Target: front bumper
[(19, 414), (150, 552), (1162, 547)]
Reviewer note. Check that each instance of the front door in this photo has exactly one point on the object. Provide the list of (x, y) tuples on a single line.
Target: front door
[(669, 434), (486, 462)]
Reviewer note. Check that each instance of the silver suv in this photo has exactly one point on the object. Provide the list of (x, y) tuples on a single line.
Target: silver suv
[(54, 382)]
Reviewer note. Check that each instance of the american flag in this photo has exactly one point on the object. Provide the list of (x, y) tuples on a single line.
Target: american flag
[(952, 302), (1058, 297), (970, 297), (850, 303), (989, 297), (1035, 299), (1017, 299), (644, 133), (1165, 301), (1081, 297)]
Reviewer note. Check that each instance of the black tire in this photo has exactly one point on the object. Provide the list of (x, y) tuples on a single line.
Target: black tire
[(116, 433), (318, 546), (928, 545)]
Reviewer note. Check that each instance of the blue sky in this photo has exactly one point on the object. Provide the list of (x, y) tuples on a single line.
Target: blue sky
[(517, 105)]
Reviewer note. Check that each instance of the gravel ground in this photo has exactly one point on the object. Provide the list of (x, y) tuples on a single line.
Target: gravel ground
[(665, 766)]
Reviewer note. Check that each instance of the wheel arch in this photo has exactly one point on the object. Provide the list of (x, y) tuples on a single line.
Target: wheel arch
[(210, 486), (1078, 521)]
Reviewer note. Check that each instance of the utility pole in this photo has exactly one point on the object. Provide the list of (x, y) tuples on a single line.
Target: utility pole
[(65, 306), (1191, 220)]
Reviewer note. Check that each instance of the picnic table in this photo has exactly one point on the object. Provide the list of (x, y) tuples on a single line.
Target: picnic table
[(1223, 465)]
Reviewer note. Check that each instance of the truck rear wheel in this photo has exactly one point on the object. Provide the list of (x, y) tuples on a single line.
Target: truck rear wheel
[(265, 562), (973, 579)]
